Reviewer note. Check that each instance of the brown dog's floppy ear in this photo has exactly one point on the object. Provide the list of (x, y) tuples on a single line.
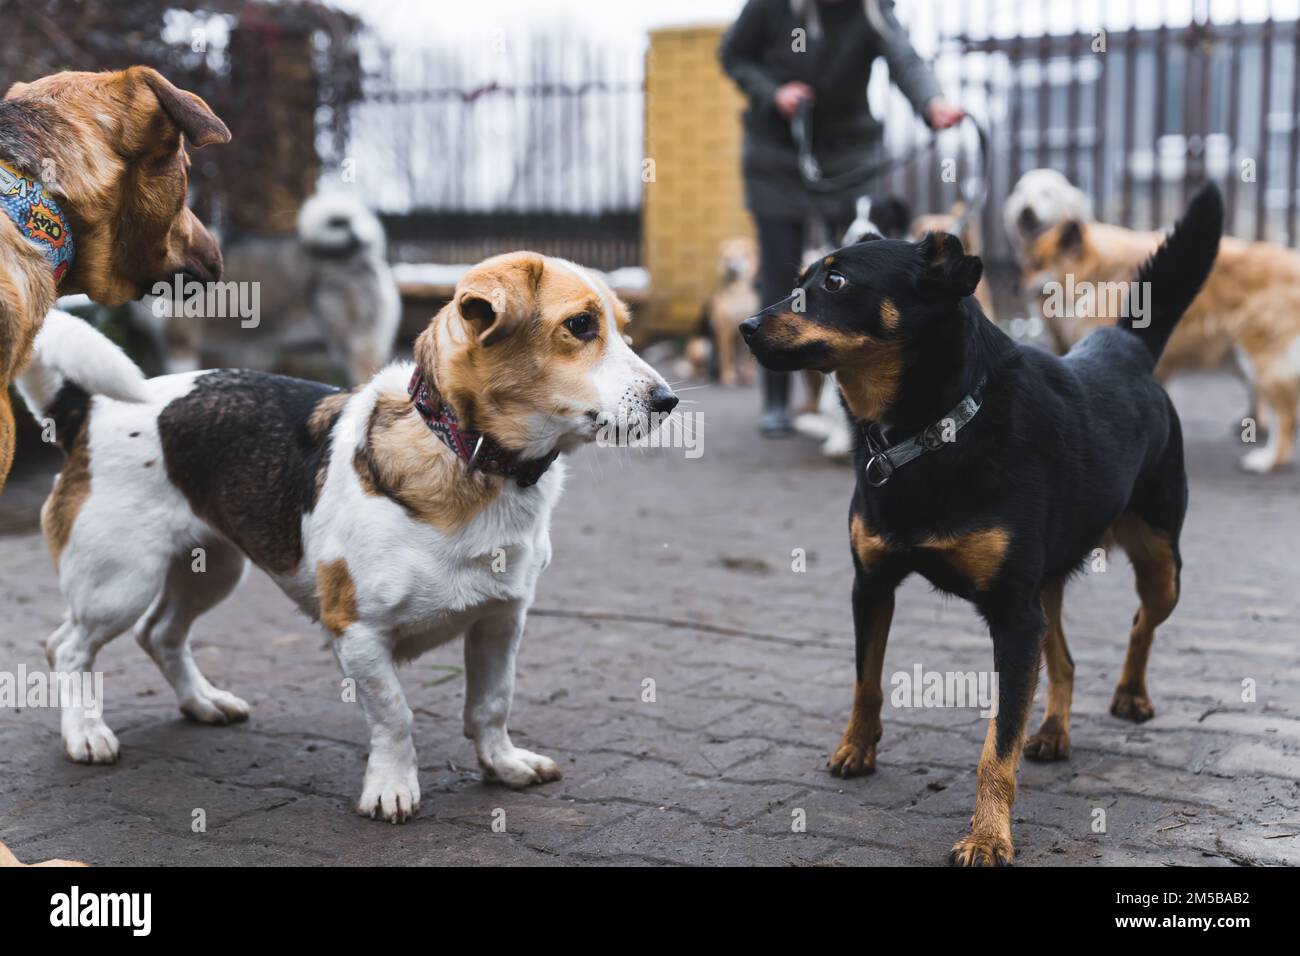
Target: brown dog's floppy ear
[(949, 272), (486, 313), (192, 116), (498, 299)]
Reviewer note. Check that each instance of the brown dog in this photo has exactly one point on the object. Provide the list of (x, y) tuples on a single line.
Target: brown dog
[(733, 299), (8, 859), (107, 148), (1249, 310)]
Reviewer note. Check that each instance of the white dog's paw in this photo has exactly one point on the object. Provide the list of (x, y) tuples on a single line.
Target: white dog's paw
[(212, 706), (520, 768), (391, 792), (1260, 461), (88, 740)]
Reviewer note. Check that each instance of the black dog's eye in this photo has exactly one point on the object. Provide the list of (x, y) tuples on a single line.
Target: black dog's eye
[(834, 282), (582, 326)]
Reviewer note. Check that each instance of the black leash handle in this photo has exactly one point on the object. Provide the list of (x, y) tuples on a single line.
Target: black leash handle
[(801, 128)]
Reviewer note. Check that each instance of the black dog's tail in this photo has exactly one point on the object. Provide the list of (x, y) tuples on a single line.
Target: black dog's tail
[(1176, 271)]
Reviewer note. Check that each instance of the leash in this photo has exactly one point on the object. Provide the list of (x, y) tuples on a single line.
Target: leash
[(810, 171), (888, 459)]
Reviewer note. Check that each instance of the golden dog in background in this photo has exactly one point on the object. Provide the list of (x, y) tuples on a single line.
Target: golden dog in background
[(1249, 310)]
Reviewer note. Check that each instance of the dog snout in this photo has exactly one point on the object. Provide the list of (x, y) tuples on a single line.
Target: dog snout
[(750, 326), (663, 399), (1028, 221)]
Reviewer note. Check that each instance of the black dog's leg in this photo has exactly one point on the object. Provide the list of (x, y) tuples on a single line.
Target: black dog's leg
[(1156, 565), (873, 611), (1052, 742), (1017, 646)]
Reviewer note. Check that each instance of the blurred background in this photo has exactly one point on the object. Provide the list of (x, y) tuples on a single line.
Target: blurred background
[(477, 128)]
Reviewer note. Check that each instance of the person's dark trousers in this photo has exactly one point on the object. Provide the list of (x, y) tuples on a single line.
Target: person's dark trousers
[(780, 251)]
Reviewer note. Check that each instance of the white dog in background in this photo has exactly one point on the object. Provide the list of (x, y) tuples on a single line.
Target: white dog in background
[(328, 283), (352, 293), (1042, 198)]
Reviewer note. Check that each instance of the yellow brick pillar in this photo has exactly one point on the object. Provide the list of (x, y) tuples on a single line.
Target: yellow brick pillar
[(695, 199)]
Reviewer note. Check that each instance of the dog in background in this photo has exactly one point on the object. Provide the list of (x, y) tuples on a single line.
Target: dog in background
[(993, 469), (329, 283), (1041, 199), (1247, 316), (716, 352), (93, 180), (401, 514)]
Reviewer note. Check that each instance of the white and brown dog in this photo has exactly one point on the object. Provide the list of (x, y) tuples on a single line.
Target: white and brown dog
[(401, 514)]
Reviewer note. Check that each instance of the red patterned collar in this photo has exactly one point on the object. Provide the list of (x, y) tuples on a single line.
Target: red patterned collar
[(477, 450)]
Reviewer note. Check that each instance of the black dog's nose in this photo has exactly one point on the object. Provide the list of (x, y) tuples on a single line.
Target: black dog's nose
[(1028, 220), (663, 399), (750, 326)]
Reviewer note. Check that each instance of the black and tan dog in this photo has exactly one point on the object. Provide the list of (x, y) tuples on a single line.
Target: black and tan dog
[(993, 470)]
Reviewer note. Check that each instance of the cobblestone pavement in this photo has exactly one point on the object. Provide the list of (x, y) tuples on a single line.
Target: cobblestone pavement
[(679, 571)]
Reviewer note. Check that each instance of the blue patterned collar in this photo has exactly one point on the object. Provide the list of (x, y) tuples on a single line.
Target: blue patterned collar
[(38, 217)]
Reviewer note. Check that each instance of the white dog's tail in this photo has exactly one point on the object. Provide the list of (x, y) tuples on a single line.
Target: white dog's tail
[(69, 349)]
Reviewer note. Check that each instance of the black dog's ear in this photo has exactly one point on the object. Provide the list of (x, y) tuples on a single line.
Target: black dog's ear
[(949, 272)]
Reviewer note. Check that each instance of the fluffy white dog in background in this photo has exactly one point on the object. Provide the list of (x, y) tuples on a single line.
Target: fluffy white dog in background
[(1042, 199), (352, 293), (329, 283)]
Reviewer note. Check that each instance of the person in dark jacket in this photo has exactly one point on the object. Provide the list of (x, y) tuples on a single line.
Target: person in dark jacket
[(782, 53)]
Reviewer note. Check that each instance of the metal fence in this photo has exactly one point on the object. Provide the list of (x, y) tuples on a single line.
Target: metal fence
[(1137, 117), (470, 151), (473, 150)]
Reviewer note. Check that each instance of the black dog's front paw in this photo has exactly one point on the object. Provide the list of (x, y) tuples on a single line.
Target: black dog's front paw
[(1052, 742), (1134, 706), (853, 759)]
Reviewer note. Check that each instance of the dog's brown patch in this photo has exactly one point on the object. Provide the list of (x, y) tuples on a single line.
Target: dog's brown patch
[(868, 546), (61, 508), (403, 461), (319, 426), (889, 317), (1155, 567), (325, 414), (856, 753), (870, 383), (977, 556), (989, 842), (1052, 741), (337, 594)]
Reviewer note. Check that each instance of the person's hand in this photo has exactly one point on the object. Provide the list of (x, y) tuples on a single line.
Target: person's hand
[(941, 114), (788, 96)]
